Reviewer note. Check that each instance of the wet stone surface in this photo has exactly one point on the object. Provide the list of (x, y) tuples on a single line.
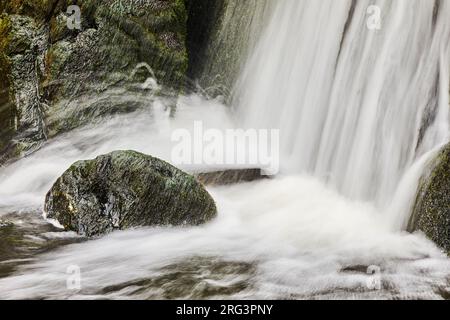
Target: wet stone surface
[(24, 235)]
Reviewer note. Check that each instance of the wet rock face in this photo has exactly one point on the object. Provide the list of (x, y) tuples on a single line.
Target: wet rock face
[(7, 109), (204, 18), (46, 66), (221, 34), (115, 36), (126, 189), (431, 213)]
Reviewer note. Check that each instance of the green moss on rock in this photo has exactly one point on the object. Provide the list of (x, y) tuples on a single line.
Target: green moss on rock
[(126, 189), (431, 213), (115, 36), (39, 52)]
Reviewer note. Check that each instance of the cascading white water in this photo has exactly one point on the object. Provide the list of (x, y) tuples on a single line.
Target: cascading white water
[(350, 100), (350, 107)]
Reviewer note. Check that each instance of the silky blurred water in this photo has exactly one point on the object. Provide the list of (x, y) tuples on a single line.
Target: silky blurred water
[(349, 107)]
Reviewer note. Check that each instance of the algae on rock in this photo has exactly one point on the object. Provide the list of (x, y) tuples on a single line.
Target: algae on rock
[(431, 213), (221, 35)]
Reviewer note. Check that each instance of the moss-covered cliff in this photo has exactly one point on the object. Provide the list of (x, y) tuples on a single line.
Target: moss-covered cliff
[(431, 213), (126, 189), (204, 20), (44, 63), (6, 107)]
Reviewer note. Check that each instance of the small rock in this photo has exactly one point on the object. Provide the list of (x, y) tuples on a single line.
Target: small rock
[(126, 189)]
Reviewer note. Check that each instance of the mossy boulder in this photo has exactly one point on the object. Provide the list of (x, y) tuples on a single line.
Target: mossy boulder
[(431, 213), (126, 189)]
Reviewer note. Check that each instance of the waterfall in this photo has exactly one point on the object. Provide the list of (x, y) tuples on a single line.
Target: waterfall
[(229, 40), (361, 103), (356, 104)]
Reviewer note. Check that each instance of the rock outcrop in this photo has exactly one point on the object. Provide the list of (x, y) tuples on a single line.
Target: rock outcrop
[(126, 189), (227, 177), (49, 68), (431, 213)]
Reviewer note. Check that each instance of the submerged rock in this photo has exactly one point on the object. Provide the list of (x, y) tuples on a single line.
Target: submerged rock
[(126, 189), (431, 213)]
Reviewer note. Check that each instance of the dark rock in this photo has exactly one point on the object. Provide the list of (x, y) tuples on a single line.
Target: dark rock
[(230, 176), (23, 235), (126, 189), (4, 224), (45, 66), (220, 37), (355, 269), (100, 59), (431, 213), (204, 19), (7, 110), (22, 107), (115, 36)]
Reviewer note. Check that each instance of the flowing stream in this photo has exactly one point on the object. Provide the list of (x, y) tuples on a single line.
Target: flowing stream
[(360, 112)]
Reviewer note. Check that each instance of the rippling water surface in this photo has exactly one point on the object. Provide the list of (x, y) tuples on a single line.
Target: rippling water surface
[(287, 237)]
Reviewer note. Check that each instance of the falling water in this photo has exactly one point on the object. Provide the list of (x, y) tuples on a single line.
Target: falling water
[(352, 100)]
